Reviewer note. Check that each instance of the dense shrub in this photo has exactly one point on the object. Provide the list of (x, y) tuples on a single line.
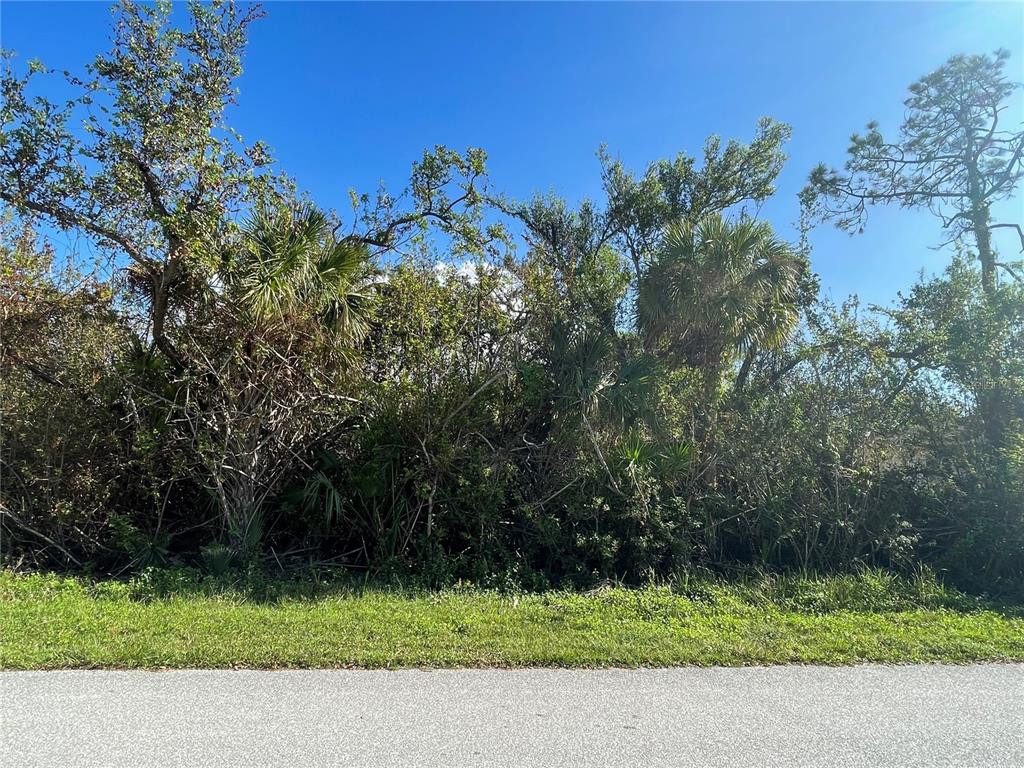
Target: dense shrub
[(456, 385)]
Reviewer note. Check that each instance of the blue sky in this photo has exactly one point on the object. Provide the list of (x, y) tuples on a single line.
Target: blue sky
[(349, 94)]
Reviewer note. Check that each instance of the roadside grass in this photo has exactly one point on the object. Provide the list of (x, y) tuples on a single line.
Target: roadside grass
[(174, 619)]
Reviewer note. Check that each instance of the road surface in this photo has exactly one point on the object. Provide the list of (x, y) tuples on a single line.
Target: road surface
[(777, 716)]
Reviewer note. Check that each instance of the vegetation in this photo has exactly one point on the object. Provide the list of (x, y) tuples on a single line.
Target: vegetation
[(167, 619), (447, 384)]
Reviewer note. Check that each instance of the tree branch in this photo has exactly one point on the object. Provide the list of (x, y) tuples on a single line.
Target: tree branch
[(67, 217), (1020, 232)]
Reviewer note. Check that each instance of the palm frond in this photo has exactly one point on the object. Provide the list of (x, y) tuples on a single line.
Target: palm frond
[(716, 287), (290, 265)]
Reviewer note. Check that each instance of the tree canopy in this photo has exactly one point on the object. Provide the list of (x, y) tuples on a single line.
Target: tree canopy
[(954, 157)]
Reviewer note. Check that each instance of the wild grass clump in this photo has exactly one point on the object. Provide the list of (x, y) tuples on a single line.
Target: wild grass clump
[(871, 590), (867, 590)]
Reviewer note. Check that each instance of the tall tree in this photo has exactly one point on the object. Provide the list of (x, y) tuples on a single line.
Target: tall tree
[(717, 289), (143, 162), (639, 209), (953, 156), (642, 209), (151, 171), (272, 338)]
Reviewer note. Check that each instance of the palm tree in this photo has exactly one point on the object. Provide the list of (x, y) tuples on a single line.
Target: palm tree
[(288, 303), (291, 268), (592, 384), (718, 289)]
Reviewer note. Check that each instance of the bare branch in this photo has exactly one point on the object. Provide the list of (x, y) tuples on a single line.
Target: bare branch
[(1020, 232)]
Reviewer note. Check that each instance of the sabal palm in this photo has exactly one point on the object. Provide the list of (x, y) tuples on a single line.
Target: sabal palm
[(592, 384), (592, 381), (292, 266), (718, 288)]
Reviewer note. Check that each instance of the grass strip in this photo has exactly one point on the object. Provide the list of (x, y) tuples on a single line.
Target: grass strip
[(55, 623)]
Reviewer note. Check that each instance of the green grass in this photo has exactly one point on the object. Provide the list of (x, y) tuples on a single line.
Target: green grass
[(50, 622)]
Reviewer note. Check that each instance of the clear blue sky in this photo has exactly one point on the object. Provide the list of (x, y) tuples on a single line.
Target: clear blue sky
[(350, 94)]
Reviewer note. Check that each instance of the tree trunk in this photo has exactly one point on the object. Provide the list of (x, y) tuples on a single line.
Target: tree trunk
[(163, 282), (989, 397), (744, 374), (712, 378), (983, 239)]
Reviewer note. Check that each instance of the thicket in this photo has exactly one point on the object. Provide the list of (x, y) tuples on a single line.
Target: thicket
[(453, 384)]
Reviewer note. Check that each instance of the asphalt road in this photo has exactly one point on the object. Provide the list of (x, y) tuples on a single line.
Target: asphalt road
[(778, 716)]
